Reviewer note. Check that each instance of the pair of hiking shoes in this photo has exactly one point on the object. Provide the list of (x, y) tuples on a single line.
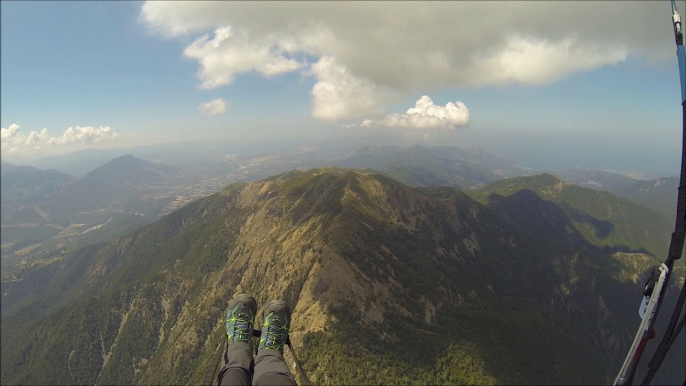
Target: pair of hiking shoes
[(240, 322)]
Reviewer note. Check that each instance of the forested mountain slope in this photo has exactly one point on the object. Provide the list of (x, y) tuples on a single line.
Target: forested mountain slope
[(388, 284)]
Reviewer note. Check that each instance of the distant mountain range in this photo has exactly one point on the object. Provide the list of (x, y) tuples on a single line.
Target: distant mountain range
[(43, 209), (119, 180), (388, 284), (129, 186), (78, 163), (594, 179), (179, 154), (435, 166), (659, 194), (571, 213), (25, 184)]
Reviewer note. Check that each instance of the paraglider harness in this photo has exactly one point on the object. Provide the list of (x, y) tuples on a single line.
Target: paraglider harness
[(657, 283), (210, 377)]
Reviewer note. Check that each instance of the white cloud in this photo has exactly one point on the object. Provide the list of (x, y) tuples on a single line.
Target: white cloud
[(225, 55), (340, 95), (425, 115), (85, 135), (9, 133), (214, 107), (14, 141), (536, 61), (34, 138), (10, 138), (367, 55)]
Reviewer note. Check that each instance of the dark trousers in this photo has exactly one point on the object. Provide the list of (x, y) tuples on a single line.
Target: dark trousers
[(268, 366)]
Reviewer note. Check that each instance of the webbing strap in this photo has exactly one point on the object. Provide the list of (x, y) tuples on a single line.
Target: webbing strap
[(677, 242), (208, 378), (676, 247), (668, 339), (306, 380)]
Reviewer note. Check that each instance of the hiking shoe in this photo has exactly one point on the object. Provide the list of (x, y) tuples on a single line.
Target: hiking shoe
[(240, 319), (277, 323)]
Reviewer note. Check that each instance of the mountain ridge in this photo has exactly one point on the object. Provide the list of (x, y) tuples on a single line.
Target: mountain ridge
[(659, 194), (440, 165), (602, 218), (351, 251), (20, 183), (118, 180)]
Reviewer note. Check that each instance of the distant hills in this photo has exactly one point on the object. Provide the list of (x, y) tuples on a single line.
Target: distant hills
[(130, 185), (44, 209), (571, 213), (119, 180), (125, 186), (23, 222), (519, 280), (659, 194), (78, 163), (27, 184), (594, 179), (435, 166), (371, 268)]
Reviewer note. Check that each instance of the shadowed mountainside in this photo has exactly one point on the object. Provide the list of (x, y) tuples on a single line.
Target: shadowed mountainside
[(603, 220)]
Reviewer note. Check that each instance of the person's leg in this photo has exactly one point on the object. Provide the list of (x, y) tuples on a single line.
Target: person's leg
[(240, 319), (270, 367), (239, 365)]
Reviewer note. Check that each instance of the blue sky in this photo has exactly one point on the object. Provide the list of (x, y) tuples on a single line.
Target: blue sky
[(139, 69), (89, 64)]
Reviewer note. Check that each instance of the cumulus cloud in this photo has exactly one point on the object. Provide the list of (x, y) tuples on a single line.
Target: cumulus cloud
[(9, 138), (425, 115), (13, 140), (9, 133), (535, 61), (214, 107), (85, 135), (368, 55), (225, 55), (340, 95)]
